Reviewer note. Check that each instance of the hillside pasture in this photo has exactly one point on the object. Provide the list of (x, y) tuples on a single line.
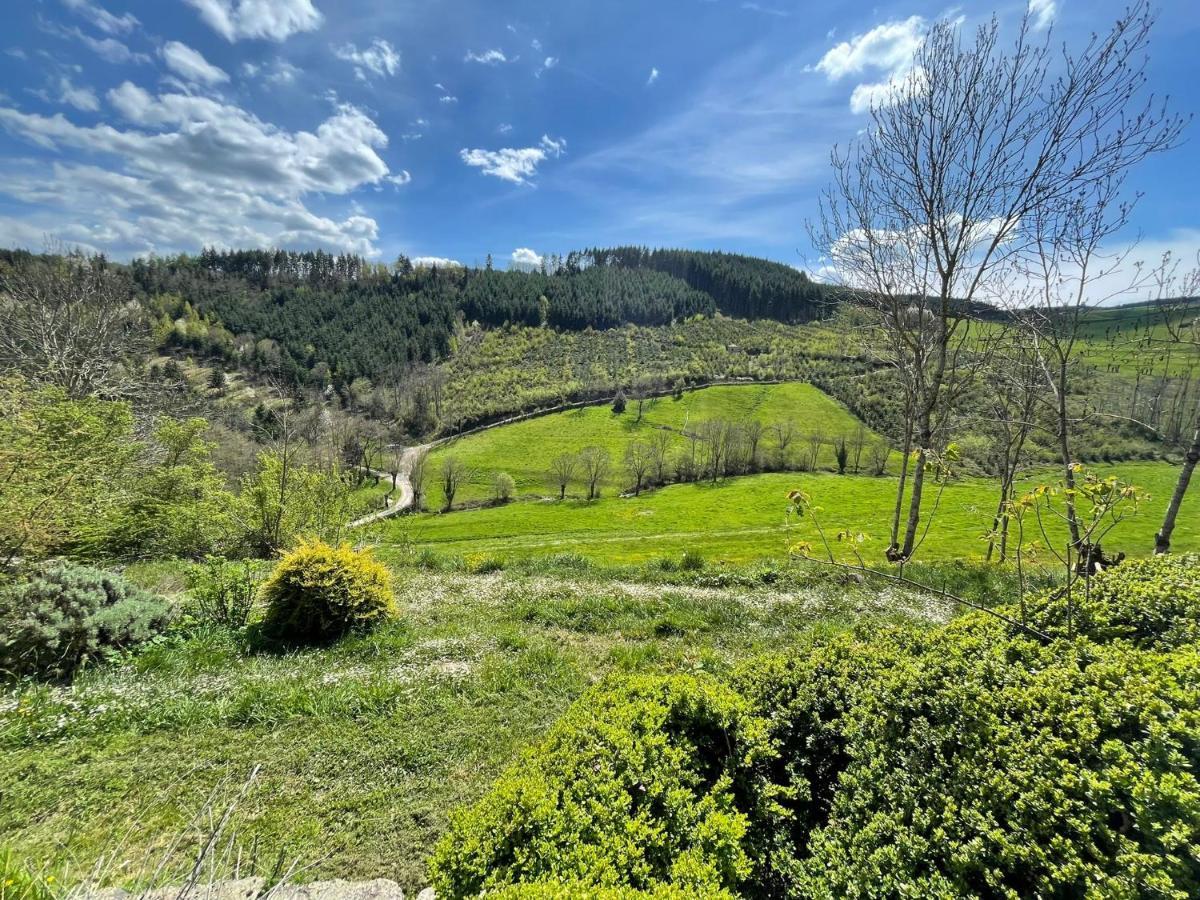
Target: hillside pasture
[(742, 519), (525, 449)]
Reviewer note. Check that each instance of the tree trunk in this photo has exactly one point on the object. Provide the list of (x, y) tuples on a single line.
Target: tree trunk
[(1162, 540), (894, 544), (1064, 447)]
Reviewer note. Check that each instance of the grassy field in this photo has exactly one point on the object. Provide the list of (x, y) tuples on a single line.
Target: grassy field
[(742, 519), (524, 450), (364, 746)]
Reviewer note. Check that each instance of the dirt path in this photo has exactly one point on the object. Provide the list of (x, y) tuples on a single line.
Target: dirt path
[(403, 485)]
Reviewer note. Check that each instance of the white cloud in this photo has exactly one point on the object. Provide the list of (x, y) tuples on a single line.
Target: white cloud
[(274, 20), (190, 65), (653, 77), (401, 178), (525, 259), (109, 49), (515, 165), (487, 57), (192, 170), (884, 93), (381, 58), (102, 18), (503, 128), (82, 98), (428, 262), (550, 62), (1042, 12), (447, 99), (888, 47)]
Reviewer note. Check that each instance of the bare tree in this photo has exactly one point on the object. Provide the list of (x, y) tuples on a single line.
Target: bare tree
[(815, 442), (969, 166), (785, 433), (857, 442), (70, 320), (660, 449), (714, 438), (454, 474), (562, 470), (1181, 330), (595, 463), (1013, 397), (752, 432), (878, 454), (418, 476), (639, 456)]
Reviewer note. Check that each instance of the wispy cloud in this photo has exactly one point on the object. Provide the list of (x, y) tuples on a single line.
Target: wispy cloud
[(191, 65), (380, 59), (1043, 13), (653, 77), (487, 57), (102, 18)]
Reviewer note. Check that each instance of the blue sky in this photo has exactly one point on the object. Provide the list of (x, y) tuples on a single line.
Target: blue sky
[(458, 128)]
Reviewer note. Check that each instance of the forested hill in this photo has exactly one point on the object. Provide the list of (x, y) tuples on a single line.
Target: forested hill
[(743, 287), (312, 314)]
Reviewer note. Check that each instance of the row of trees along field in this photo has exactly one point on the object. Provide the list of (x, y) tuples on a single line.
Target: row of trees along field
[(1000, 176), (711, 450)]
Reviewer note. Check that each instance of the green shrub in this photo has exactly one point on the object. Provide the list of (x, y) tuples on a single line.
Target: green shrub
[(637, 786), (223, 591), (962, 761), (318, 593), (1153, 603), (971, 765), (691, 561), (63, 615)]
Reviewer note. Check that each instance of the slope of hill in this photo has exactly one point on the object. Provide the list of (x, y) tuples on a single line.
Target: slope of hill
[(525, 450)]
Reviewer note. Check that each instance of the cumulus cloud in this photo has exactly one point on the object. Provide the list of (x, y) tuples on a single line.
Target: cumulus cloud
[(885, 48), (487, 57), (108, 49), (429, 262), (1042, 12), (380, 59), (515, 165), (274, 20), (525, 259), (102, 18), (653, 77), (189, 170), (447, 99), (190, 65)]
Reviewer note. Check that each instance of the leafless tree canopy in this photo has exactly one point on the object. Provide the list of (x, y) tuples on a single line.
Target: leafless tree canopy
[(70, 321), (981, 166)]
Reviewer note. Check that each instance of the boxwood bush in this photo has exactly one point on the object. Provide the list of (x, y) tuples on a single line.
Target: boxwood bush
[(962, 761), (318, 592), (60, 616), (644, 784)]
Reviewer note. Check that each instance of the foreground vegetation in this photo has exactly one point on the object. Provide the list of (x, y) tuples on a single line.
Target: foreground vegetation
[(367, 744)]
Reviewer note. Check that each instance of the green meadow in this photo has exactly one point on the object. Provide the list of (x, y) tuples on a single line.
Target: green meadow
[(525, 449), (742, 519)]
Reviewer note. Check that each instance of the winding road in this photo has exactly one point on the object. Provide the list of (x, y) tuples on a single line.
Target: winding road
[(403, 485)]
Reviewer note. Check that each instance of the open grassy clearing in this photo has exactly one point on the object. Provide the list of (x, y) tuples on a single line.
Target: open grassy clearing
[(525, 449), (366, 745), (742, 519)]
